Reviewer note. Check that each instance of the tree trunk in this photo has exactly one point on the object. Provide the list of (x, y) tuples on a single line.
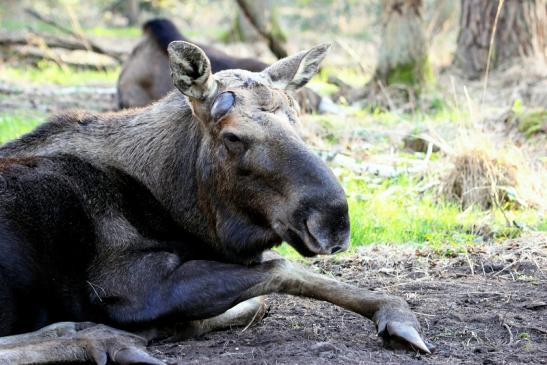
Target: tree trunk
[(402, 56), (257, 19), (132, 12), (521, 32)]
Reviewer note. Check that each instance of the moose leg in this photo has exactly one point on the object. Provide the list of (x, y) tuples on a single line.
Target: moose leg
[(243, 314), (203, 289), (86, 341), (75, 342)]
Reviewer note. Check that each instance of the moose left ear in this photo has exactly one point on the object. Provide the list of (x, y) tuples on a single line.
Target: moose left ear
[(293, 72), (191, 70)]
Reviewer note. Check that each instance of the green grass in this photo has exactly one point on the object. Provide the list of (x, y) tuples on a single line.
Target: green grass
[(15, 123), (395, 212), (50, 73), (118, 32)]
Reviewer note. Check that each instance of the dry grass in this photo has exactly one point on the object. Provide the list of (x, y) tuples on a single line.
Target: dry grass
[(511, 257), (492, 176)]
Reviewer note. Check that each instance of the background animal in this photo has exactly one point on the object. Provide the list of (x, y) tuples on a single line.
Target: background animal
[(141, 218), (145, 74)]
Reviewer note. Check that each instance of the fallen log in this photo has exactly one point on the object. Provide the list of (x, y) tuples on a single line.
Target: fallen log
[(51, 41), (87, 43), (63, 57)]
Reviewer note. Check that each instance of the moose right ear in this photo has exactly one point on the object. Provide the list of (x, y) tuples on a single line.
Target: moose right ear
[(191, 70)]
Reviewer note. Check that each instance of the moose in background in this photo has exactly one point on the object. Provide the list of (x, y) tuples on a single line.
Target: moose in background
[(145, 75)]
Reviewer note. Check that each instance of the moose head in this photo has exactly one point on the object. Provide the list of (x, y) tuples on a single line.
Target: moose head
[(259, 182)]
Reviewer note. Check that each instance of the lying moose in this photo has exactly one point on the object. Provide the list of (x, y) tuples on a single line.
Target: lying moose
[(145, 75), (142, 218)]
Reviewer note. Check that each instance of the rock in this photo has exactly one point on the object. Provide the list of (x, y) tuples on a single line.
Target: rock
[(419, 143), (320, 347)]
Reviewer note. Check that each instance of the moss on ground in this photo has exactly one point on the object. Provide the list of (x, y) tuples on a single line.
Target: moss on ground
[(532, 122), (414, 74)]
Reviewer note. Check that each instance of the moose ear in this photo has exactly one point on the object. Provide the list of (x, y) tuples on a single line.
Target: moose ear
[(191, 70), (293, 72)]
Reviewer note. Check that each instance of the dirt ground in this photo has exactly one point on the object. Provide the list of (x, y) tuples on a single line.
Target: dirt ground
[(488, 307)]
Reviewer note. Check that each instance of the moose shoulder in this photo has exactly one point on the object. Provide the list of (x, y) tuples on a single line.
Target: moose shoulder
[(136, 219)]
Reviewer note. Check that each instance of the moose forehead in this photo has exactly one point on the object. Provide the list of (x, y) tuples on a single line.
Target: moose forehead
[(255, 89)]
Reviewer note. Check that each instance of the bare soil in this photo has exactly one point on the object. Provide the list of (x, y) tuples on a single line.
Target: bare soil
[(486, 307)]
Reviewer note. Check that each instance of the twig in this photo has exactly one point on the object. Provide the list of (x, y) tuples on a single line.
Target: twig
[(539, 329), (470, 264), (490, 49), (352, 54), (510, 333), (506, 267), (252, 320), (388, 98)]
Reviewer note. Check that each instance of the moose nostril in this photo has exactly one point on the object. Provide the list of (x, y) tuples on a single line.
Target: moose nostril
[(335, 249)]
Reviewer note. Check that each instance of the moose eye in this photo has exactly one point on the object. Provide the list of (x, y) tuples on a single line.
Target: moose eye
[(233, 143), (232, 138), (222, 105)]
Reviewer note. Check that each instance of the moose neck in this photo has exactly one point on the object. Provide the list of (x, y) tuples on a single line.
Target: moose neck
[(158, 146)]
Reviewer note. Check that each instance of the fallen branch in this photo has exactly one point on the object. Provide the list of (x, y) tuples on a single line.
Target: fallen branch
[(87, 43), (61, 59), (52, 41)]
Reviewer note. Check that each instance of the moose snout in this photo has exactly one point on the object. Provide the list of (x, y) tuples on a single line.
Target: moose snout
[(327, 230), (315, 220), (321, 230)]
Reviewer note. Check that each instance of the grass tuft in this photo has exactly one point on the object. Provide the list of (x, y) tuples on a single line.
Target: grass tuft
[(491, 176)]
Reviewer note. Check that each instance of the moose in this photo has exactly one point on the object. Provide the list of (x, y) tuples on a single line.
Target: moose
[(116, 225), (145, 75)]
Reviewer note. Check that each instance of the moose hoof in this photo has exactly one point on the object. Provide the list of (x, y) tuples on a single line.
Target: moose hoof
[(399, 329), (104, 345), (400, 335)]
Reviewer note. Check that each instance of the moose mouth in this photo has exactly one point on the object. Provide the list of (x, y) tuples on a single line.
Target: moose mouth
[(305, 242)]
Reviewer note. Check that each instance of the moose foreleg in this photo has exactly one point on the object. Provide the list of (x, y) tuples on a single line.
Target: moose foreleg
[(203, 289), (394, 320)]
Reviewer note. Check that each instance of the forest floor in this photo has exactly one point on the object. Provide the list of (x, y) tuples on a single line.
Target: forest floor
[(486, 307)]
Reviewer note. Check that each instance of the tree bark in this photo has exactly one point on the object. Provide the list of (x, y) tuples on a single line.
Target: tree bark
[(402, 56), (521, 32), (132, 12), (261, 15)]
